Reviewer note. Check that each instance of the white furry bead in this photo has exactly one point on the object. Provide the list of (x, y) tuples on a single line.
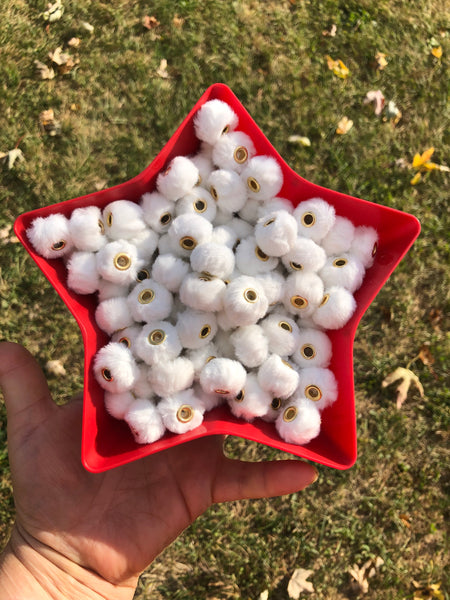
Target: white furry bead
[(251, 260), (304, 255), (172, 376), (199, 356), (209, 401), (214, 119), (126, 336), (50, 236), (113, 314), (232, 151), (107, 290), (149, 301), (178, 179), (242, 228), (364, 245), (299, 421), (336, 308), (303, 293), (343, 270), (203, 161), (250, 212), (199, 202), (118, 404), (188, 231), (223, 376), (144, 421), (181, 412), (196, 328), (276, 233), (263, 177), (244, 301), (278, 377), (157, 342), (319, 385), (250, 345), (228, 190), (118, 262), (87, 228), (273, 205), (214, 259), (315, 218), (282, 333), (202, 292), (252, 401), (123, 219), (170, 270), (340, 237), (146, 243), (225, 348), (158, 211), (274, 410), (115, 368), (142, 388), (314, 349), (82, 274), (273, 285), (224, 235)]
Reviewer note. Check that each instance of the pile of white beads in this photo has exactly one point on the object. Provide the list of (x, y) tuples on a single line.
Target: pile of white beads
[(213, 289)]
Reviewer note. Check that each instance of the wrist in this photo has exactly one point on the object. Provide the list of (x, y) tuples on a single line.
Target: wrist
[(30, 570)]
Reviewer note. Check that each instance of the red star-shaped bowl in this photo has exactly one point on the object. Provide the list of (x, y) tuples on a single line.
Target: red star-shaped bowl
[(107, 442)]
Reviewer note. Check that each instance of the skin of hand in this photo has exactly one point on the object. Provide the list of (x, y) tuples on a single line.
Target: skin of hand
[(113, 524)]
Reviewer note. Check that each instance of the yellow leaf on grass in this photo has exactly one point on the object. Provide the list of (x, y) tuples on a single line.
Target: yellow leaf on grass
[(344, 126), (437, 52), (380, 57), (417, 177), (407, 378), (338, 67), (420, 159)]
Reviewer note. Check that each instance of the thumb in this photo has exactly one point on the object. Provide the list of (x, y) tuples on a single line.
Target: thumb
[(24, 387)]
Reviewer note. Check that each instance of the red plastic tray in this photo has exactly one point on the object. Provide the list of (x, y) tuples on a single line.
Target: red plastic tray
[(107, 442)]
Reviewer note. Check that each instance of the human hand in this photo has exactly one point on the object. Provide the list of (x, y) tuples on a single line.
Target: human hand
[(112, 525)]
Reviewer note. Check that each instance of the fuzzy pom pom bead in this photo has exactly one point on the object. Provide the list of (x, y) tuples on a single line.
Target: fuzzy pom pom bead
[(343, 270), (315, 218), (181, 412), (145, 422), (228, 190), (339, 238), (126, 336), (118, 262), (223, 376), (303, 293), (203, 161), (113, 314), (364, 245), (263, 177), (145, 243), (250, 345), (158, 211), (157, 342), (115, 368), (224, 235), (87, 228), (202, 292), (188, 231), (118, 404), (282, 333), (299, 421), (50, 236), (304, 255), (107, 290), (172, 376), (196, 328), (252, 401), (178, 179), (169, 271), (149, 301), (244, 301), (336, 308), (319, 385), (278, 377), (314, 349), (250, 258), (214, 119), (200, 356), (276, 233), (232, 151), (273, 285), (82, 274), (199, 202), (214, 259), (123, 220), (273, 205)]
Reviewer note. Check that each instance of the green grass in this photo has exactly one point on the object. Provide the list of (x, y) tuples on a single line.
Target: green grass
[(116, 113)]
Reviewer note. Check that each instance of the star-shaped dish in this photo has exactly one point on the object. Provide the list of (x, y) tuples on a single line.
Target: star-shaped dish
[(107, 442)]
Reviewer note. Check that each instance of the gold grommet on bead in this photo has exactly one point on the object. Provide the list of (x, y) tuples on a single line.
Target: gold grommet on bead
[(276, 403), (240, 154), (146, 296), (221, 392), (253, 184), (109, 219), (166, 172), (260, 254), (125, 342), (308, 351), (250, 295), (107, 375), (188, 243), (295, 266), (156, 337), (101, 226), (285, 362), (375, 248), (205, 331), (213, 192), (313, 392), (165, 218), (60, 245), (199, 180), (205, 276), (209, 359), (185, 413), (122, 261), (308, 219), (226, 129), (299, 302), (269, 222), (290, 413), (325, 299), (143, 274), (285, 325), (200, 206), (340, 262), (240, 396)]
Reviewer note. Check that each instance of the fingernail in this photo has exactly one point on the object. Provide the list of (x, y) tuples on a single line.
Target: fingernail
[(316, 475)]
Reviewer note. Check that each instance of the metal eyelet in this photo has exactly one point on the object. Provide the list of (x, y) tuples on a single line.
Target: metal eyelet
[(299, 302), (107, 375), (240, 396), (285, 362), (308, 351), (199, 180), (375, 248), (296, 266), (205, 331), (290, 414), (213, 192), (156, 337), (142, 275), (313, 392), (185, 413), (250, 295), (340, 262), (240, 154), (269, 222), (146, 296), (60, 245), (109, 219), (325, 299), (125, 342), (285, 325), (165, 218), (205, 276), (166, 172), (226, 129), (200, 206), (209, 359), (261, 255), (101, 226), (253, 184), (276, 403), (188, 243), (122, 261), (308, 219), (221, 392)]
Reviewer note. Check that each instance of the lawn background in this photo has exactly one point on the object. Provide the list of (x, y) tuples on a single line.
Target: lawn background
[(117, 107)]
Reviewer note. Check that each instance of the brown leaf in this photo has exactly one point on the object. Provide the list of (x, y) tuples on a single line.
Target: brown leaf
[(375, 96), (63, 60), (344, 126), (178, 22), (298, 583), (361, 575), (48, 123), (380, 57), (150, 22), (407, 378), (74, 42), (44, 71), (11, 156), (331, 32), (55, 367), (162, 69)]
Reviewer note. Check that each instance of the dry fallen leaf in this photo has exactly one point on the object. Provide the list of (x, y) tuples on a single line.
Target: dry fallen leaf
[(11, 156), (55, 367), (392, 112), (380, 57), (45, 72), (430, 591), (162, 69), (344, 126), (298, 583), (178, 22), (74, 42), (87, 27), (7, 236), (63, 60), (361, 575), (338, 67), (48, 123), (299, 139), (264, 595), (331, 32), (437, 52), (54, 12), (375, 96), (150, 22), (408, 378), (423, 164)]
